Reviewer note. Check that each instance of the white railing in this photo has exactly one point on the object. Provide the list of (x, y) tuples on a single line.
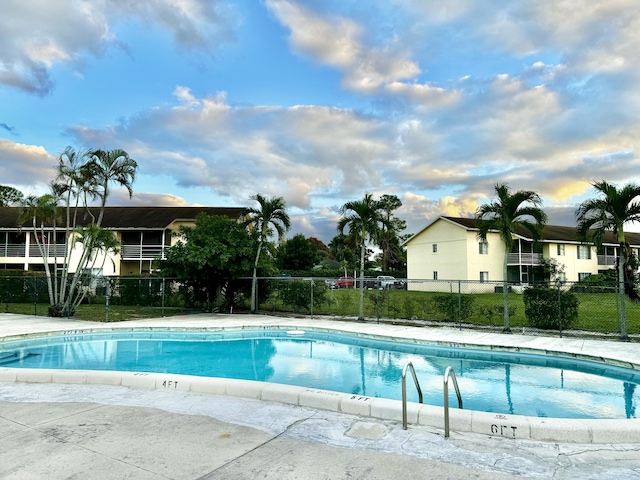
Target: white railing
[(51, 251), (137, 252), (525, 259), (12, 250)]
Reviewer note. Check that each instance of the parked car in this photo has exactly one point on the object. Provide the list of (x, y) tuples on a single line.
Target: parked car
[(345, 282), (388, 282), (331, 282)]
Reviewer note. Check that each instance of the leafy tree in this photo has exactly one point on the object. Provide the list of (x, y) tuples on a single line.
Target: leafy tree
[(362, 218), (270, 212), (388, 238), (82, 177), (10, 196), (345, 250), (503, 215), (297, 253), (323, 250), (609, 212), (210, 256)]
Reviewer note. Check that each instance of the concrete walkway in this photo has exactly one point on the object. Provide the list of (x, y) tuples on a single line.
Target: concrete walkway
[(59, 431)]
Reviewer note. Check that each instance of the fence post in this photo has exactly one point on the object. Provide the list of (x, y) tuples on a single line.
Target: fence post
[(163, 287), (107, 293), (459, 305), (559, 308), (312, 298)]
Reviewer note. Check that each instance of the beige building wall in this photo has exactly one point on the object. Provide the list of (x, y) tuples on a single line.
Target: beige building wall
[(491, 262), (574, 266)]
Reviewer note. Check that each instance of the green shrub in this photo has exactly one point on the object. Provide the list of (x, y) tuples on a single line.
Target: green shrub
[(297, 294), (546, 307), (495, 312), (454, 307)]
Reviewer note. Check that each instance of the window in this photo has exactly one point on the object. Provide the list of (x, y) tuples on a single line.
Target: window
[(561, 249), (484, 277), (582, 276), (435, 248), (584, 252), (435, 275), (483, 248), (562, 277)]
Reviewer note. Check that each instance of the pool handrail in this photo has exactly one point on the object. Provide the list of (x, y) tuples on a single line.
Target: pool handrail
[(407, 366), (449, 373)]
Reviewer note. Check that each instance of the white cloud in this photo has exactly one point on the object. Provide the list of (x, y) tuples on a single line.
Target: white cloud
[(27, 167), (39, 34), (338, 42)]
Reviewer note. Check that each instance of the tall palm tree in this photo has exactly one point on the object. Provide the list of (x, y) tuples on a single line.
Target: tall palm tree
[(270, 212), (610, 211), (503, 215), (362, 218), (112, 166), (93, 178), (41, 212)]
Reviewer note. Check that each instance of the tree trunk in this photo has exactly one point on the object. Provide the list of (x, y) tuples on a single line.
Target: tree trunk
[(505, 293), (254, 280), (622, 309), (361, 308)]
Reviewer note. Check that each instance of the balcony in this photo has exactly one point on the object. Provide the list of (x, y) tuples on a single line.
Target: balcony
[(606, 260), (14, 251), (141, 252), (51, 250), (524, 259)]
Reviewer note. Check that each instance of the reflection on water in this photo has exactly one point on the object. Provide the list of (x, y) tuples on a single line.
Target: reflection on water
[(489, 381)]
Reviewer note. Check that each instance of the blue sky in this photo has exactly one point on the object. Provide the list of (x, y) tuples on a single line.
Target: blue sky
[(322, 101)]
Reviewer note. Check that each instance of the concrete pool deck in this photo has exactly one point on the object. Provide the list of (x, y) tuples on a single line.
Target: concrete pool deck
[(276, 431)]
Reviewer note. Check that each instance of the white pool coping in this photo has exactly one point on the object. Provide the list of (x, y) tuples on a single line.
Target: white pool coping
[(586, 431)]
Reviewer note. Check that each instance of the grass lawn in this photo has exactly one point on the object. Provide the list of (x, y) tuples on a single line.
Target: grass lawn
[(596, 311), (98, 312)]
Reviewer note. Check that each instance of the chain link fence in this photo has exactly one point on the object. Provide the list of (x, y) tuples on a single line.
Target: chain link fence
[(567, 309)]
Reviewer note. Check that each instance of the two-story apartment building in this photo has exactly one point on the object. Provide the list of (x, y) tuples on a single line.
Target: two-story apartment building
[(144, 234), (449, 249)]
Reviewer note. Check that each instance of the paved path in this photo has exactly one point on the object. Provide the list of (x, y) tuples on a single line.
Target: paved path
[(58, 431)]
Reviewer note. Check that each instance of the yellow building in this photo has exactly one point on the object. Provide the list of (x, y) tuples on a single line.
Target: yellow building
[(448, 249)]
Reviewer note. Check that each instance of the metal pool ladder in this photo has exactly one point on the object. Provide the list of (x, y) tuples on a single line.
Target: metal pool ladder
[(407, 366), (449, 373), (445, 387)]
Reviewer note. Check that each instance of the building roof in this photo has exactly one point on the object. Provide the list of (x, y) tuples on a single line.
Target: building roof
[(124, 218), (550, 233)]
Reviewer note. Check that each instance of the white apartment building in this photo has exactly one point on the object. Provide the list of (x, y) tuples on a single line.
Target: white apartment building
[(449, 249)]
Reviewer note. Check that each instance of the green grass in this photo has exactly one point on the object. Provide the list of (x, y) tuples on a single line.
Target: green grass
[(596, 311), (97, 313)]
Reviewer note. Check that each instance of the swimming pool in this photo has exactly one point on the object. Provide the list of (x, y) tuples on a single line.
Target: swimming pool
[(530, 385)]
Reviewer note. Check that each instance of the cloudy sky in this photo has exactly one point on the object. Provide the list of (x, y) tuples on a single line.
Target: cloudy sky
[(321, 101)]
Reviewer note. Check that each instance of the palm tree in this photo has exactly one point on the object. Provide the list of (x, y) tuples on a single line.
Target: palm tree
[(504, 214), (363, 219), (271, 212), (41, 212), (611, 211), (112, 166), (388, 237), (90, 174)]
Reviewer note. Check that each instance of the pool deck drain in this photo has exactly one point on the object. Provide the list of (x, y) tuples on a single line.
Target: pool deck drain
[(616, 455)]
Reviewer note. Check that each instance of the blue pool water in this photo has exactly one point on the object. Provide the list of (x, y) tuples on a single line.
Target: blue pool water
[(532, 385)]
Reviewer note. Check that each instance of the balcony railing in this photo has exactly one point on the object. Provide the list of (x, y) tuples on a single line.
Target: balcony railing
[(606, 260), (525, 259), (51, 251), (138, 252), (12, 250)]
